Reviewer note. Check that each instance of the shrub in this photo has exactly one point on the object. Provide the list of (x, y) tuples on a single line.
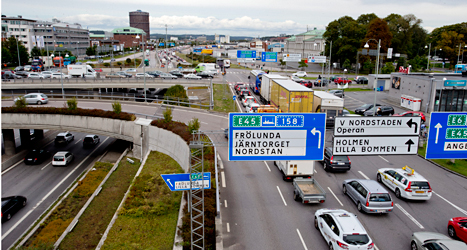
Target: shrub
[(21, 102), (168, 115), (106, 65), (193, 125), (72, 104), (128, 60), (117, 107), (119, 63)]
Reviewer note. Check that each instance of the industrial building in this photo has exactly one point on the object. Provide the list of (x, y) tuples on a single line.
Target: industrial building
[(140, 19)]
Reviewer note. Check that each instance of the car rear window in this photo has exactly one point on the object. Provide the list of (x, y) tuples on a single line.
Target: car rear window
[(88, 139), (380, 197), (340, 158), (420, 184), (356, 239), (59, 158), (59, 138)]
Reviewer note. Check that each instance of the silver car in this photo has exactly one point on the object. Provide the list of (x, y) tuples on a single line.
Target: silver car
[(47, 74), (167, 76), (35, 98), (36, 76), (429, 240), (369, 196), (338, 93)]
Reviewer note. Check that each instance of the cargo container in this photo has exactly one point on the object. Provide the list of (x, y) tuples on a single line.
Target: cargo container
[(328, 103), (291, 97), (265, 89)]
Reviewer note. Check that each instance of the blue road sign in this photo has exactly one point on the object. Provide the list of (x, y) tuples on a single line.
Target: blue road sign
[(447, 136), (234, 97), (246, 53), (181, 182), (161, 44), (276, 136), (269, 57), (455, 83)]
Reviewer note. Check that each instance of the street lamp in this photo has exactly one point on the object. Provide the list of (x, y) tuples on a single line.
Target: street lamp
[(134, 55), (144, 68), (17, 49), (428, 61), (377, 65)]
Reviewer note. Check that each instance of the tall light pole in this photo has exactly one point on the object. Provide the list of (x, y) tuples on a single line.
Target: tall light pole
[(428, 61), (134, 55), (17, 49), (329, 67), (377, 65), (144, 67)]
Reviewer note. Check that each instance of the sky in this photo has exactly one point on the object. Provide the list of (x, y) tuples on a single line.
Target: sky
[(254, 18)]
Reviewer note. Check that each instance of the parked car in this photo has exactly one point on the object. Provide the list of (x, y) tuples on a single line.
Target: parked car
[(47, 74), (35, 76), (385, 111), (412, 113), (435, 241), (296, 78), (125, 74), (62, 158), (91, 140), (360, 110), (405, 183), (321, 82), (114, 75), (333, 78), (60, 76), (205, 74), (335, 162), (457, 228), (300, 74), (342, 80), (64, 138), (131, 70), (368, 195), (192, 76), (337, 92), (11, 205), (35, 98), (167, 76), (142, 75), (361, 80), (36, 156)]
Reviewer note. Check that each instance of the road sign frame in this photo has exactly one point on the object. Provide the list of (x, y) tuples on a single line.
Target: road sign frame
[(292, 57), (373, 125), (184, 180), (438, 145), (266, 57), (300, 136), (390, 145)]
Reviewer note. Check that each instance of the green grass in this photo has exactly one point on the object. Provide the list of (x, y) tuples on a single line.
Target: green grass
[(459, 166), (309, 78), (223, 99), (96, 218), (148, 219), (357, 89)]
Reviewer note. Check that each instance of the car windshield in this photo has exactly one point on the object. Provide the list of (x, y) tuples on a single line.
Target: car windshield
[(380, 197), (4, 202), (356, 239), (59, 158), (420, 184), (366, 106)]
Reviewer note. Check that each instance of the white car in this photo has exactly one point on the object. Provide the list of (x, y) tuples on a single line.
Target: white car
[(405, 183), (247, 100), (253, 108), (34, 76), (132, 70), (296, 78), (429, 240), (47, 74), (192, 76), (300, 74), (342, 230), (62, 158), (141, 75), (167, 76), (27, 67), (60, 76)]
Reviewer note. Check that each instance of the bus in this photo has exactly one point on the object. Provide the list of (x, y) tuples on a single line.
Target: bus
[(255, 78), (460, 67)]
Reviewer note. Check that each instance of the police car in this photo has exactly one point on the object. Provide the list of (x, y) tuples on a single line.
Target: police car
[(405, 183), (342, 230)]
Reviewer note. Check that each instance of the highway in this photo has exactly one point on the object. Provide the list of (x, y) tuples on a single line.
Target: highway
[(257, 206)]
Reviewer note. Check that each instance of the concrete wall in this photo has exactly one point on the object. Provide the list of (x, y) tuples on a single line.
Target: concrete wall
[(413, 85)]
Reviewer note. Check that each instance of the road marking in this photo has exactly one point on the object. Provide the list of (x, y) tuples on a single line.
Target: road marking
[(48, 194), (410, 216), (452, 204), (77, 141), (315, 171), (335, 196), (364, 176), (376, 248), (228, 227), (223, 179), (285, 203), (219, 161), (225, 203), (354, 99), (301, 239), (204, 123), (267, 166), (46, 165), (383, 158), (10, 168)]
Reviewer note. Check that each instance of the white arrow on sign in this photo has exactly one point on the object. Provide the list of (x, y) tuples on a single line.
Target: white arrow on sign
[(438, 126), (168, 180), (314, 131)]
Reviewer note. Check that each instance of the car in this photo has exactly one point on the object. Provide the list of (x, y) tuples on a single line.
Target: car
[(342, 230), (34, 98), (361, 80), (342, 80), (226, 133), (27, 67), (89, 75), (64, 138), (306, 83), (140, 97), (405, 183), (247, 100), (167, 76), (205, 74), (192, 76), (385, 111), (36, 156), (321, 82), (360, 110), (177, 73), (61, 76), (368, 195), (131, 70), (125, 74), (435, 241), (10, 75), (34, 76), (154, 73), (333, 162), (47, 74), (253, 108), (412, 113), (114, 75), (457, 228), (331, 115), (23, 74), (62, 158), (142, 75), (337, 92), (90, 140), (11, 205), (19, 68), (98, 70), (296, 78), (244, 93), (300, 74), (333, 78)]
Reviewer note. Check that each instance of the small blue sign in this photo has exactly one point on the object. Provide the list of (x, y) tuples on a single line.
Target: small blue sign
[(234, 97), (246, 53), (455, 83), (161, 44), (181, 182), (269, 57), (447, 136)]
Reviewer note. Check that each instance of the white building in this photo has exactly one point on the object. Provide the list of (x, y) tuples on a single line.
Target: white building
[(310, 43), (173, 38)]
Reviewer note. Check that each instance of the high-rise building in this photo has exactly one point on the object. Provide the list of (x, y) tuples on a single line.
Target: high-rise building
[(140, 20)]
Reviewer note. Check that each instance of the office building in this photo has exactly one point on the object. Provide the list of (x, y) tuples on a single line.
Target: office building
[(140, 19)]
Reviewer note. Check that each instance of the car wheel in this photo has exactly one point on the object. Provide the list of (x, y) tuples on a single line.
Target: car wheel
[(452, 232), (316, 223), (359, 207), (330, 246), (325, 166), (344, 189), (414, 245), (378, 177), (398, 193), (24, 203), (295, 196), (39, 103), (8, 216)]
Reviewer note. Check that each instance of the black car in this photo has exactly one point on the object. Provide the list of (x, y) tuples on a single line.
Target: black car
[(380, 111), (155, 73), (331, 115), (226, 133), (90, 140), (123, 73), (335, 162), (362, 80), (11, 205), (23, 74), (36, 156), (149, 97), (204, 74), (177, 74), (321, 82), (360, 110)]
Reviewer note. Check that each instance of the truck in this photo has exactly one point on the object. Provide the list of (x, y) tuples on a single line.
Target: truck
[(324, 102), (291, 97), (460, 67), (265, 91), (80, 70), (255, 78), (206, 66), (58, 61), (37, 65), (207, 51), (308, 191)]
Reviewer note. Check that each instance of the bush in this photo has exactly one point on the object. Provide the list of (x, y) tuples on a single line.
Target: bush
[(117, 107), (128, 60), (21, 102), (106, 65), (193, 125), (72, 104), (119, 63), (168, 115), (176, 91)]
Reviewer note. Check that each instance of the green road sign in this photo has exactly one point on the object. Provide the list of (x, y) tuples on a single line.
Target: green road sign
[(247, 121), (456, 120), (456, 133)]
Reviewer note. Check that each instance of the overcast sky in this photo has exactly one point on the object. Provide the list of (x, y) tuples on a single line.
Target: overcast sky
[(238, 17)]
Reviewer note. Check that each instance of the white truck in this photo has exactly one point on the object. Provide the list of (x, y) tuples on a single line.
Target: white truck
[(265, 90), (292, 169), (328, 103), (80, 70)]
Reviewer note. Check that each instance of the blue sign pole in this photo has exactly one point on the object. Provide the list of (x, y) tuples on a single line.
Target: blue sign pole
[(447, 136)]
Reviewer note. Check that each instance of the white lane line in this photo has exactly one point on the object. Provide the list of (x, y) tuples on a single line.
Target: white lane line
[(315, 171), (376, 248), (267, 166), (219, 161), (46, 165), (225, 203), (228, 227), (364, 176), (278, 189), (410, 216), (335, 196), (301, 239), (452, 204), (223, 179), (47, 195), (204, 123), (383, 158), (77, 142), (10, 168)]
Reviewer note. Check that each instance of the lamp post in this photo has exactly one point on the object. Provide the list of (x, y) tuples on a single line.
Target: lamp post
[(144, 68), (428, 61), (329, 67), (377, 65), (134, 55), (17, 49)]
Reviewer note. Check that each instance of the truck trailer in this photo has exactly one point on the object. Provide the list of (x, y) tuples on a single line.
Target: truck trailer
[(324, 102), (291, 97), (80, 70), (265, 91)]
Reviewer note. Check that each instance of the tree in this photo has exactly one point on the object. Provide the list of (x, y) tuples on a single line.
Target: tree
[(365, 19), (347, 64), (176, 91), (302, 64), (35, 52), (449, 41), (403, 29), (12, 45), (91, 50), (388, 68), (6, 56), (378, 30)]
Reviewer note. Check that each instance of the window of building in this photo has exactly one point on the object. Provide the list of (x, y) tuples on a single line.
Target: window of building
[(450, 100)]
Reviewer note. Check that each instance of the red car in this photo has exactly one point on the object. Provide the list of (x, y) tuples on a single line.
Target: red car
[(457, 228), (412, 113), (98, 70), (342, 80)]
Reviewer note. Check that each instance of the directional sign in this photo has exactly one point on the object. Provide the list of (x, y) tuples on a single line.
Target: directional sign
[(181, 182), (269, 57), (447, 136), (292, 57), (316, 59), (378, 125), (276, 136), (234, 97), (246, 55), (394, 145)]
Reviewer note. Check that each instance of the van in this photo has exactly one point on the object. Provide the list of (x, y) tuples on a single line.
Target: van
[(368, 195), (207, 66)]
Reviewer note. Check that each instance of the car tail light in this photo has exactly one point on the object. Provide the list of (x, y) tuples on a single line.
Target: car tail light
[(42, 99), (321, 201), (371, 246), (392, 203), (429, 190), (367, 202), (35, 159), (342, 245), (409, 189), (288, 178)]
